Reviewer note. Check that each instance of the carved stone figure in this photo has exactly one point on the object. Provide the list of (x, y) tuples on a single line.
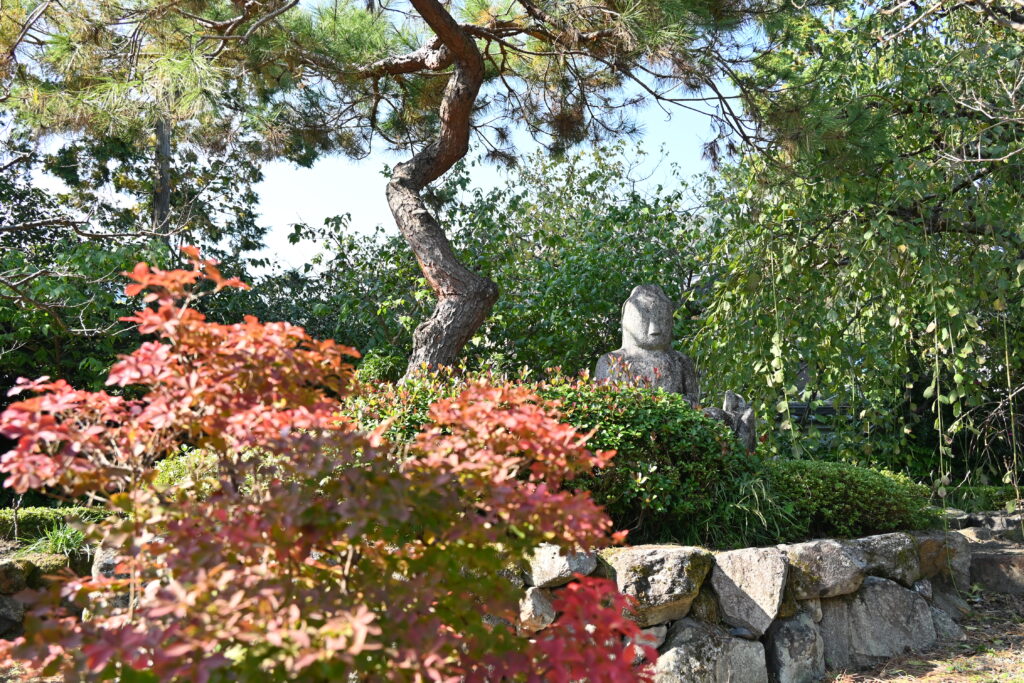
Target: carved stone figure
[(739, 416), (647, 357)]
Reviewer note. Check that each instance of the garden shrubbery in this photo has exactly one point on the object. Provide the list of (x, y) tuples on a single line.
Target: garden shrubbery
[(840, 499), (676, 472), (679, 476), (320, 553)]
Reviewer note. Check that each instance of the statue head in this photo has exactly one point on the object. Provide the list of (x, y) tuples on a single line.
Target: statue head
[(647, 319)]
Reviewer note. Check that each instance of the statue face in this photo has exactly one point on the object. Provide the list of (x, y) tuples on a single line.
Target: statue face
[(647, 323)]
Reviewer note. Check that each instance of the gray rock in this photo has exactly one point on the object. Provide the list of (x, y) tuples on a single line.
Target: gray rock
[(647, 357), (536, 611), (749, 584), (923, 588), (944, 554), (551, 567), (947, 598), (652, 637), (824, 568), (105, 561), (664, 579), (795, 651), (1000, 570), (891, 556), (739, 416), (701, 653), (945, 628), (880, 621), (976, 534)]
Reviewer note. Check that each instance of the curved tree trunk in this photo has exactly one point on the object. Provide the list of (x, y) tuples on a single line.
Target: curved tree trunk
[(464, 298)]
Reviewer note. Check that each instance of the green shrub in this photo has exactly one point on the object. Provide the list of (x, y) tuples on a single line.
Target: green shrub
[(677, 475), (34, 523), (838, 499)]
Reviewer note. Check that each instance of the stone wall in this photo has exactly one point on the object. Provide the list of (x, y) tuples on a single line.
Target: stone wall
[(786, 613)]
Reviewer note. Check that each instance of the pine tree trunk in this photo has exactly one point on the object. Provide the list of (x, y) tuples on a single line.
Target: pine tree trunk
[(162, 182), (464, 298)]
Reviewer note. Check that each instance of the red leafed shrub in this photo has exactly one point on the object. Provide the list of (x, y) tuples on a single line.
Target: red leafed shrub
[(321, 552)]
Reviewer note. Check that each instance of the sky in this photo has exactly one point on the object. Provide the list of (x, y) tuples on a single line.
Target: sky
[(335, 185)]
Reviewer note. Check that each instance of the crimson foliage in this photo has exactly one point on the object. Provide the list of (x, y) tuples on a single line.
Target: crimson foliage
[(321, 552)]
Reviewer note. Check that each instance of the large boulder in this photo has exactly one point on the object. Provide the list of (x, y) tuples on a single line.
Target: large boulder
[(695, 652), (750, 584), (795, 651), (891, 556), (880, 621), (664, 579), (549, 566), (824, 568), (999, 569)]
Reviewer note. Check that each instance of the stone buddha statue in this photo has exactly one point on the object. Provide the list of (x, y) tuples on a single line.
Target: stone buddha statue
[(647, 357)]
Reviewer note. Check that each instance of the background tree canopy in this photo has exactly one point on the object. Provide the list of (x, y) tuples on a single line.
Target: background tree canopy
[(857, 247)]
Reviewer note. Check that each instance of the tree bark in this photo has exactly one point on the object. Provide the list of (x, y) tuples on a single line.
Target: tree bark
[(162, 182), (464, 298)]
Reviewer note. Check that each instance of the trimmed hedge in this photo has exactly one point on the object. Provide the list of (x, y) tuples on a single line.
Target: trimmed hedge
[(33, 522), (681, 477), (676, 473), (837, 499)]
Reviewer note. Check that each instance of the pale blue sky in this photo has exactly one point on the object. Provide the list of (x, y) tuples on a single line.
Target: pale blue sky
[(335, 185)]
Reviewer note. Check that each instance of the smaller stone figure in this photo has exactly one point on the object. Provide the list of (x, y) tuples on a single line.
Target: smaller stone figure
[(739, 416), (647, 357)]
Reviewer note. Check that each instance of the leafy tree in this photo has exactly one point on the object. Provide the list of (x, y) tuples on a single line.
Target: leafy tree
[(873, 248), (336, 76), (569, 237), (62, 250)]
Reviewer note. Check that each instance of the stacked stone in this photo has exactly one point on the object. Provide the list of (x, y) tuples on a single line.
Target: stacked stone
[(785, 613), (17, 575)]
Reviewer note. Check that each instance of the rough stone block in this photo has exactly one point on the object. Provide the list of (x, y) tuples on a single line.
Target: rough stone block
[(749, 584), (880, 621), (701, 653), (551, 567), (945, 554), (824, 568), (795, 651), (664, 579), (1001, 571), (536, 611), (891, 556), (945, 628)]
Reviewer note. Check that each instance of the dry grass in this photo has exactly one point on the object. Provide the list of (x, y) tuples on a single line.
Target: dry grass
[(993, 651)]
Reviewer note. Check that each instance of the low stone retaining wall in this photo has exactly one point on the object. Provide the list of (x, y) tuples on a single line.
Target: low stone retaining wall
[(786, 613)]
